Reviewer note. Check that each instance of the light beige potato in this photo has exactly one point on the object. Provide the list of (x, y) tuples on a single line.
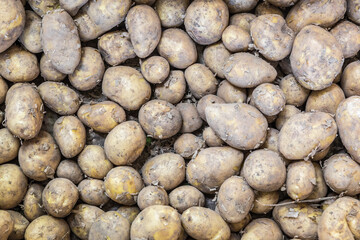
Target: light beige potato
[(352, 10), (187, 145), (215, 56), (236, 39), (321, 13), (48, 71), (185, 52), (93, 162), (286, 114), (126, 86), (282, 3), (234, 124), (3, 90), (263, 201), (173, 88), (60, 41), (72, 6), (326, 100), (190, 116), (92, 191), (9, 146), (206, 20), (171, 13), (348, 35), (70, 135), (268, 98), (204, 223), (166, 170), (6, 224), (155, 69), (20, 225), (236, 6), (350, 79), (110, 224), (237, 227), (42, 7), (300, 180), (70, 169), (266, 8), (230, 93), (184, 197), (200, 80), (262, 229), (242, 20), (30, 38), (295, 94), (152, 195), (320, 189), (212, 166), (56, 229), (129, 213), (33, 202), (144, 27), (272, 140), (211, 139), (207, 101)]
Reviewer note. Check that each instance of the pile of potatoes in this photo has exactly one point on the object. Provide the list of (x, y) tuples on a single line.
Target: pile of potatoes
[(174, 120)]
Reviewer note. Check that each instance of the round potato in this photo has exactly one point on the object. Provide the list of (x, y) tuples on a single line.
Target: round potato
[(56, 229), (207, 101), (286, 114), (72, 6), (93, 162), (33, 202), (190, 116), (215, 56), (152, 195), (30, 38), (261, 229), (266, 8), (236, 39), (348, 35), (48, 71), (171, 13), (263, 202), (242, 20), (211, 139), (155, 69), (173, 88), (349, 79), (6, 224), (20, 225), (129, 213), (230, 93), (9, 146), (110, 224), (187, 145), (70, 169), (268, 98), (300, 180), (184, 197), (92, 191), (200, 80), (236, 6), (44, 6), (295, 94), (320, 189)]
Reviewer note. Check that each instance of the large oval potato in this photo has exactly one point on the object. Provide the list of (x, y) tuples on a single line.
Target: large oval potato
[(112, 225), (9, 146), (300, 180), (171, 13), (56, 229), (31, 36), (93, 162)]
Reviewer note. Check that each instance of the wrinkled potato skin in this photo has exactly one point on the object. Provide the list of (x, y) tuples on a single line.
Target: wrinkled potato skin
[(231, 94), (190, 116), (72, 6), (207, 101), (286, 114), (262, 199), (295, 94), (268, 98), (173, 88), (93, 162), (200, 80), (348, 35), (110, 224), (92, 191), (49, 72), (6, 224), (211, 139), (301, 179), (215, 56), (44, 6), (56, 229), (33, 202), (152, 195), (322, 13), (70, 169), (9, 146), (282, 3), (20, 225), (242, 20), (236, 6), (265, 8), (184, 197), (155, 69), (3, 90), (171, 13), (350, 79), (316, 72), (129, 213), (187, 145), (352, 10), (204, 223), (24, 110), (262, 228), (30, 38), (320, 189), (236, 39)]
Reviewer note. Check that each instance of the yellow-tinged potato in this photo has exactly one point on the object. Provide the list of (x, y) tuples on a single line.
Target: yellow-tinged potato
[(207, 101), (350, 79), (47, 227), (215, 56), (236, 39), (110, 224), (72, 6), (242, 20), (44, 6), (204, 223), (295, 94), (70, 169), (184, 197), (268, 98), (9, 146), (20, 225), (187, 145), (92, 191), (300, 180), (30, 38), (173, 88), (93, 162), (171, 13), (6, 224), (263, 202), (211, 139), (48, 71), (60, 41), (128, 212), (240, 125), (348, 35), (262, 229), (282, 3), (190, 116), (200, 80), (237, 227), (230, 93), (212, 166), (286, 114), (316, 71), (236, 6), (266, 8), (152, 195), (33, 202), (353, 10), (320, 189), (155, 69)]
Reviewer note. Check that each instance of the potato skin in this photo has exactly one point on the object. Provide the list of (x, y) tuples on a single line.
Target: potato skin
[(48, 71), (70, 169), (236, 6), (173, 88), (231, 94), (301, 179), (236, 39), (30, 38), (262, 200), (265, 8), (57, 229), (286, 114), (33, 202), (187, 145), (110, 224), (207, 101), (155, 69), (320, 189), (129, 213), (211, 139), (93, 162), (42, 7), (268, 98), (3, 90), (295, 94), (262, 228), (348, 35), (349, 79), (190, 117), (92, 191), (352, 10), (282, 3), (152, 195), (9, 146), (184, 197), (200, 80), (214, 57), (20, 225), (6, 224), (242, 20), (171, 13), (71, 6)]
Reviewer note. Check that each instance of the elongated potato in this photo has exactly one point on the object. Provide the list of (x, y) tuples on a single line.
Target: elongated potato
[(57, 229), (295, 94), (348, 35), (31, 36), (171, 13), (110, 224), (261, 229), (48, 71), (33, 202), (184, 197), (9, 146), (301, 179), (93, 162), (350, 79)]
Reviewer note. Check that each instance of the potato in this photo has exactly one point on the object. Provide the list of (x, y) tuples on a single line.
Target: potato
[(237, 227), (71, 6), (152, 195), (286, 114), (234, 124), (59, 197), (204, 223), (320, 189), (6, 224), (340, 220), (242, 20), (144, 27), (236, 39), (9, 146), (246, 70), (349, 79), (155, 69), (126, 86), (326, 100), (315, 71), (352, 11), (190, 117), (187, 145), (18, 65), (56, 229), (3, 89), (30, 38), (70, 135), (230, 93), (215, 56), (82, 218), (212, 166), (206, 20), (322, 154), (129, 213), (173, 88), (236, 6), (48, 71), (261, 229), (92, 191), (211, 139), (268, 98), (282, 3), (43, 7), (60, 41), (20, 225), (33, 202), (110, 224), (264, 170), (200, 80), (12, 22), (263, 202), (301, 179), (314, 132), (348, 35), (166, 170), (207, 101), (156, 222), (184, 197), (295, 94), (171, 13), (321, 13), (272, 140), (266, 8), (70, 169), (298, 220), (123, 184), (93, 162)]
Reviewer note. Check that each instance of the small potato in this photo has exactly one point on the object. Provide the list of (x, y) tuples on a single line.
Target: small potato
[(272, 140), (90, 70), (72, 6), (30, 38), (60, 41), (207, 101), (295, 94), (110, 224), (3, 89), (298, 220), (236, 6), (242, 20), (206, 20), (144, 27), (156, 222), (262, 229), (187, 145), (211, 139), (33, 202), (321, 13), (301, 179), (272, 37), (264, 170), (236, 39), (234, 124), (263, 202), (350, 79), (237, 227), (215, 56), (315, 71), (231, 94), (20, 225), (18, 65), (352, 11), (59, 97), (166, 170), (212, 166), (320, 189), (115, 47), (200, 80), (152, 195), (59, 197), (282, 3), (70, 169), (82, 218), (125, 143), (204, 223), (6, 224), (56, 229), (44, 6), (93, 162), (9, 146), (126, 86), (246, 70), (268, 98), (190, 117), (348, 35), (184, 197), (266, 8), (235, 199), (173, 88), (39, 157), (92, 191), (155, 69), (171, 13), (129, 213), (286, 114), (326, 100), (48, 71), (70, 135), (123, 184)]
